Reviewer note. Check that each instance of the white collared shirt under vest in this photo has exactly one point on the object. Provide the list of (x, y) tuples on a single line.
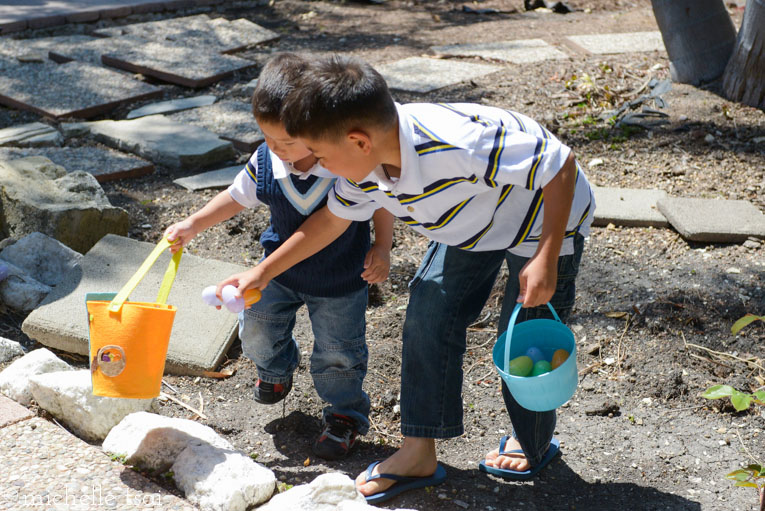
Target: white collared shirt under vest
[(471, 177)]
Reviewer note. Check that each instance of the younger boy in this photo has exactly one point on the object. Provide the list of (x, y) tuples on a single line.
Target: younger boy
[(285, 176), (484, 184)]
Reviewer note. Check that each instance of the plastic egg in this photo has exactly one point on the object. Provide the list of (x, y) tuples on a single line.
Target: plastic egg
[(520, 366), (535, 354), (541, 367), (558, 358)]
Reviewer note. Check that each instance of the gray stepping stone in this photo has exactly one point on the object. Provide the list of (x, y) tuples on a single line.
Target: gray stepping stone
[(182, 65), (175, 105), (30, 135), (201, 334), (220, 178), (219, 34), (92, 50), (19, 47), (620, 43), (521, 51), (76, 89), (628, 207), (12, 412), (103, 163), (230, 120), (164, 141), (716, 221), (420, 74)]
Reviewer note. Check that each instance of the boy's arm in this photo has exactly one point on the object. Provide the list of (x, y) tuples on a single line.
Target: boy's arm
[(538, 278), (377, 261), (220, 208), (318, 231)]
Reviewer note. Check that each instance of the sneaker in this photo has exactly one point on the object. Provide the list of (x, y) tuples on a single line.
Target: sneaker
[(337, 438), (271, 393)]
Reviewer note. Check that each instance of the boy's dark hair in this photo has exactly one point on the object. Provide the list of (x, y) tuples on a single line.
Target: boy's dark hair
[(335, 95), (276, 80)]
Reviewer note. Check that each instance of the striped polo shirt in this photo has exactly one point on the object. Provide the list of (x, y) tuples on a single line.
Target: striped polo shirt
[(471, 177)]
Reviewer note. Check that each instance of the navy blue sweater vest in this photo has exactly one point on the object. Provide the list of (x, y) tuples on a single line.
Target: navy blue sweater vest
[(335, 270)]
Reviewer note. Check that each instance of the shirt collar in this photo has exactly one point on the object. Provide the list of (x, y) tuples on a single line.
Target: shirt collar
[(410, 181), (283, 169)]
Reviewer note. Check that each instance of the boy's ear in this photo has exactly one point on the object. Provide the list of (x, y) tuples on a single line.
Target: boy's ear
[(361, 140)]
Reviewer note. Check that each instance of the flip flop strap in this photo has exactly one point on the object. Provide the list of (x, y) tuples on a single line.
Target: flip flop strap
[(502, 443), (392, 477)]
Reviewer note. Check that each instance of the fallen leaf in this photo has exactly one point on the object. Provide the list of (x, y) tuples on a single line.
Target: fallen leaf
[(307, 462), (617, 314), (225, 373)]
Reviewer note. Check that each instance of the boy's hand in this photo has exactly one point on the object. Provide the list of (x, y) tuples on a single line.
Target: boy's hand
[(250, 279), (538, 280), (376, 265), (181, 232)]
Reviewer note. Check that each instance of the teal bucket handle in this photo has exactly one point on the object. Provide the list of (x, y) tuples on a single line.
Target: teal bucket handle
[(511, 325)]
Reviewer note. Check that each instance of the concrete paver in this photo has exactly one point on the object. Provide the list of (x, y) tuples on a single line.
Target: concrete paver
[(201, 334), (420, 74), (174, 105), (11, 412), (220, 178), (520, 51), (620, 43), (716, 221), (230, 119), (628, 207)]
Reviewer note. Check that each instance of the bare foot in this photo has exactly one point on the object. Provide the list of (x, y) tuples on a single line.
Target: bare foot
[(515, 461), (416, 458)]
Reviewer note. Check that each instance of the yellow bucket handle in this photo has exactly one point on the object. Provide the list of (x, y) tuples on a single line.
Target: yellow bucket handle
[(167, 280)]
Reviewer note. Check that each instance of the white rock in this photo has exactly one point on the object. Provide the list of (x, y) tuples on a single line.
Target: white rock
[(20, 291), (595, 162), (14, 380), (153, 441), (68, 396), (44, 258), (218, 479), (9, 350)]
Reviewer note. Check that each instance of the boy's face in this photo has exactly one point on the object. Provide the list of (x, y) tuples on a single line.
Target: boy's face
[(284, 146), (348, 157)]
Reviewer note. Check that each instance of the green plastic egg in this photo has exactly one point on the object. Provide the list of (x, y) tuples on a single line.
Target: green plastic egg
[(521, 366), (541, 367)]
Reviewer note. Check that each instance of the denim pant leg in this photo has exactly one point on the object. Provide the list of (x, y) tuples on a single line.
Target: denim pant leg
[(533, 430), (339, 358), (266, 333), (446, 295)]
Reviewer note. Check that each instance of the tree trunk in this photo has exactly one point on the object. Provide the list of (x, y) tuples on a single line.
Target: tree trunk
[(744, 78), (699, 37)]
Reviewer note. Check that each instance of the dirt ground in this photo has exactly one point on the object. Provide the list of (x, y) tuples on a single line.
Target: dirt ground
[(653, 311)]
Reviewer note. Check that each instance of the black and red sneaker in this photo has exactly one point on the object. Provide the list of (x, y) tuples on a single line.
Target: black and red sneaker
[(271, 393), (337, 438)]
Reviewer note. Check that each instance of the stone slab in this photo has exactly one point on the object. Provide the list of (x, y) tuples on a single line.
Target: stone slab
[(11, 412), (76, 89), (174, 63), (164, 141), (629, 42), (219, 34), (31, 134), (420, 74), (628, 207), (47, 468), (229, 119), (103, 163), (201, 334), (520, 51), (715, 221), (90, 50), (44, 45), (174, 105), (220, 178)]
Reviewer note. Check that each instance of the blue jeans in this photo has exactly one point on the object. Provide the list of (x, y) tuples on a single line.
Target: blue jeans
[(339, 358), (446, 295)]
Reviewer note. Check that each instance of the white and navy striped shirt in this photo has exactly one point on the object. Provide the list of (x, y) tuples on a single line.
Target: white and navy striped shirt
[(471, 177)]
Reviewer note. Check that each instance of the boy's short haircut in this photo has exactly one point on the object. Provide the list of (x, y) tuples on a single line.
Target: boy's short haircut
[(336, 95), (276, 80)]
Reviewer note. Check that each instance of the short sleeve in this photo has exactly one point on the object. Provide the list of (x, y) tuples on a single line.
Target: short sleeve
[(244, 188), (504, 155), (348, 201)]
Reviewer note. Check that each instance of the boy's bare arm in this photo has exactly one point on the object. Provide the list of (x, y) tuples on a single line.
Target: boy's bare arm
[(318, 231), (377, 260), (539, 276), (220, 208)]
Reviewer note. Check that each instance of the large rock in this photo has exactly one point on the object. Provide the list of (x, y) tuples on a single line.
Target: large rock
[(152, 441), (45, 259), (38, 196), (218, 479), (14, 379), (20, 291), (9, 350), (68, 396)]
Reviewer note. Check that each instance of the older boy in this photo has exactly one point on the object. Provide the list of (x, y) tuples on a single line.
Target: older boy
[(484, 184), (284, 175)]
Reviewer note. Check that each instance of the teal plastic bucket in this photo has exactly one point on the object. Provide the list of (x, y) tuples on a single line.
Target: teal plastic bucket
[(547, 391)]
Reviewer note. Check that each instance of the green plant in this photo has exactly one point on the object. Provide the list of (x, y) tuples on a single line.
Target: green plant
[(742, 322), (752, 476), (740, 400)]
